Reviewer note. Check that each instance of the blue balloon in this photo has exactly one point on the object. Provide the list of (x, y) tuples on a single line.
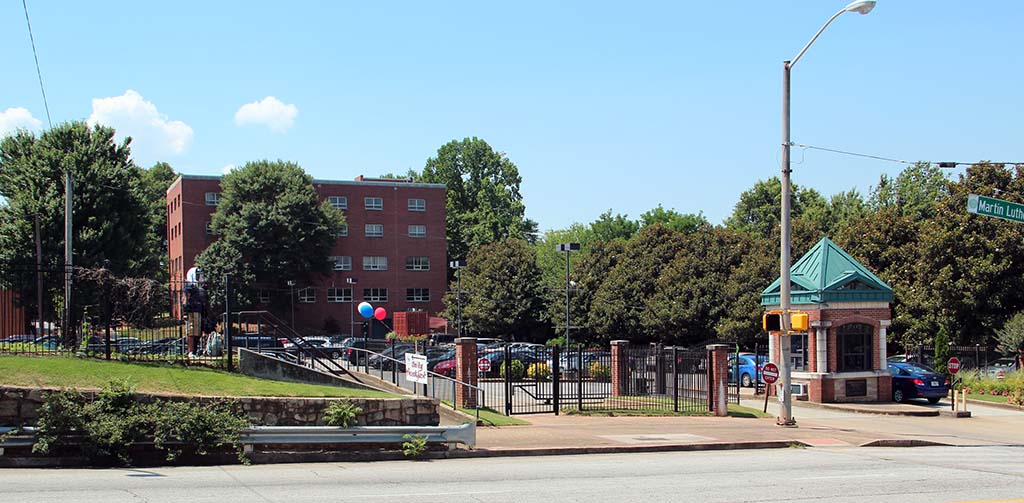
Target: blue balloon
[(365, 310)]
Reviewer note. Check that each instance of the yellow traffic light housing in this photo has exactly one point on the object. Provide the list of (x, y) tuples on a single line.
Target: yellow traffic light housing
[(798, 321), (771, 321)]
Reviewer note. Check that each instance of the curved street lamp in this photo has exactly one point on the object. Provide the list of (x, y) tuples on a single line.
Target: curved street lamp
[(786, 417)]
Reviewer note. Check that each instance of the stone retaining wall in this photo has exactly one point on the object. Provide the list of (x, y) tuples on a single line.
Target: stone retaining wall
[(18, 407)]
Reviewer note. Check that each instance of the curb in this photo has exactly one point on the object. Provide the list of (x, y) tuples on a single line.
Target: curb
[(997, 405), (877, 412), (570, 451)]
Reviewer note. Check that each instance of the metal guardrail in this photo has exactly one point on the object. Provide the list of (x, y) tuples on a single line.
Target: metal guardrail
[(295, 435)]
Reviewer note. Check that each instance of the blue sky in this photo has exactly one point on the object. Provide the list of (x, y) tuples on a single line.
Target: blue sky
[(621, 105)]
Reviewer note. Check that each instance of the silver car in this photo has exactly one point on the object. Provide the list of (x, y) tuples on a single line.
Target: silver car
[(1000, 368)]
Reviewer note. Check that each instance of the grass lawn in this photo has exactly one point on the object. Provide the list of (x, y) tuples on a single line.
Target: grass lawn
[(987, 398), (736, 410), (70, 372), (489, 417)]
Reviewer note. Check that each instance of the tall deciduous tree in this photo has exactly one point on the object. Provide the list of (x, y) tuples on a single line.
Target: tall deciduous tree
[(501, 287), (155, 182), (272, 228), (112, 217), (759, 208), (607, 227), (672, 219), (484, 204)]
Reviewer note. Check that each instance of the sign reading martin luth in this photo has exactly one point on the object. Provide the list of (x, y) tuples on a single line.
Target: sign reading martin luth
[(992, 207)]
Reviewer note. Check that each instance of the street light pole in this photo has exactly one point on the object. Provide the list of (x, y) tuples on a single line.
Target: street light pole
[(458, 265), (566, 248), (351, 306), (291, 284), (786, 416)]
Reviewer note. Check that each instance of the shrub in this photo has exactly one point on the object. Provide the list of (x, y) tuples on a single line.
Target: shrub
[(342, 413), (518, 369), (600, 372), (106, 428), (414, 445), (539, 371)]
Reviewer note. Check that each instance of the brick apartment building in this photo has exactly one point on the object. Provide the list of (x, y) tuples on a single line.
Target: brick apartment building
[(393, 246)]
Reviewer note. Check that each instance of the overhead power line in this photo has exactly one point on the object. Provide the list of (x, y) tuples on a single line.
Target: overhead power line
[(39, 73), (941, 164)]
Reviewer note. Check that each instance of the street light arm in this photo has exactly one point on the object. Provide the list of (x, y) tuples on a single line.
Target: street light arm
[(816, 35)]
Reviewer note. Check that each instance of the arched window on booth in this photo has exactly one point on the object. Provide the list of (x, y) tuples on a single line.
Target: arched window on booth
[(854, 345)]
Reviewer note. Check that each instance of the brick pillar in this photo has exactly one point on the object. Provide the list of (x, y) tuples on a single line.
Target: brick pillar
[(466, 371), (719, 363), (620, 367)]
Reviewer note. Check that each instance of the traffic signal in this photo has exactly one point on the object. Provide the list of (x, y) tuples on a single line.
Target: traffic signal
[(772, 321), (798, 321)]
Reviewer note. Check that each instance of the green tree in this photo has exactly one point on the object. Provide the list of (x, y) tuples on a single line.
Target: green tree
[(1011, 336), (915, 191), (501, 286), (941, 346), (112, 217), (607, 227), (272, 229), (672, 219), (759, 208), (552, 266), (484, 204)]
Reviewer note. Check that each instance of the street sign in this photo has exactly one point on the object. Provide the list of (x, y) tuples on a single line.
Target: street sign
[(416, 367), (770, 373), (992, 207), (953, 365), (483, 365)]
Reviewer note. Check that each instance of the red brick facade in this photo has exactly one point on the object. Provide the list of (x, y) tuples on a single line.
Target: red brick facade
[(466, 371), (410, 215)]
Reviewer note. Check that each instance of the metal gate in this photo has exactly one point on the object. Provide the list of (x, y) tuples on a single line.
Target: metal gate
[(540, 379)]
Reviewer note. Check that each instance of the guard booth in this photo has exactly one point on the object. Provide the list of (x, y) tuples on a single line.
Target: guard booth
[(842, 356)]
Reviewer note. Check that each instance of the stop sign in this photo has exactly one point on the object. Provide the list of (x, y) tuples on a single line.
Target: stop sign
[(483, 364), (953, 365), (770, 373)]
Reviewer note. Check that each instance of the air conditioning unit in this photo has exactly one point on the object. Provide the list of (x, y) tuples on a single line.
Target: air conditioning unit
[(799, 390)]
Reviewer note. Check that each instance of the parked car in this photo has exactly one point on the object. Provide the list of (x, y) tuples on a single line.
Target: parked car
[(47, 342), (354, 349), (743, 369), (1000, 368), (444, 367), (383, 359), (911, 380), (433, 359), (164, 346), (256, 342)]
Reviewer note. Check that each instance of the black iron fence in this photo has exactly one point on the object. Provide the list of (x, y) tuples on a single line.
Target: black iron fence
[(525, 379)]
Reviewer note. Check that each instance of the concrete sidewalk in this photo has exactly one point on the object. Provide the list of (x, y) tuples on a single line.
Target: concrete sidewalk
[(846, 426)]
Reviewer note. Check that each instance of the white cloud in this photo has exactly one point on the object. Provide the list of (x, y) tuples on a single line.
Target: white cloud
[(227, 169), (153, 135), (268, 112), (17, 118)]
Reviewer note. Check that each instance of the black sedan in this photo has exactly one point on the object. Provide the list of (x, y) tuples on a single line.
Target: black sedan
[(911, 380)]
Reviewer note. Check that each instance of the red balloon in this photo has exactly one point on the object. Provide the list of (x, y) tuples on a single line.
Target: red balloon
[(380, 313)]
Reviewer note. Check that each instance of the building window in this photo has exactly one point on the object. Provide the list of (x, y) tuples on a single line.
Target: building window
[(263, 296), (374, 230), (307, 295), (375, 263), (209, 228), (342, 263), (417, 205), (375, 294), (417, 294), (854, 347), (339, 202), (417, 231), (335, 295), (373, 203), (798, 352), (417, 263), (342, 231), (212, 198)]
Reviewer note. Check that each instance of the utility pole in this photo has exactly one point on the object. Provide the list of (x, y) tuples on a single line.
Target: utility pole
[(566, 248), (68, 260), (352, 306), (458, 265), (291, 285)]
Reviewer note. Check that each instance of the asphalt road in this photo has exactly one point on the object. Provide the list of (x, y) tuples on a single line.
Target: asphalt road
[(908, 475)]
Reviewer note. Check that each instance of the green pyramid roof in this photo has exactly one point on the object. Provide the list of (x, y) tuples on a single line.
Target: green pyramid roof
[(826, 273)]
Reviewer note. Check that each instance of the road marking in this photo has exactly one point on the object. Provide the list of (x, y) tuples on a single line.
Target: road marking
[(827, 477), (409, 495)]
